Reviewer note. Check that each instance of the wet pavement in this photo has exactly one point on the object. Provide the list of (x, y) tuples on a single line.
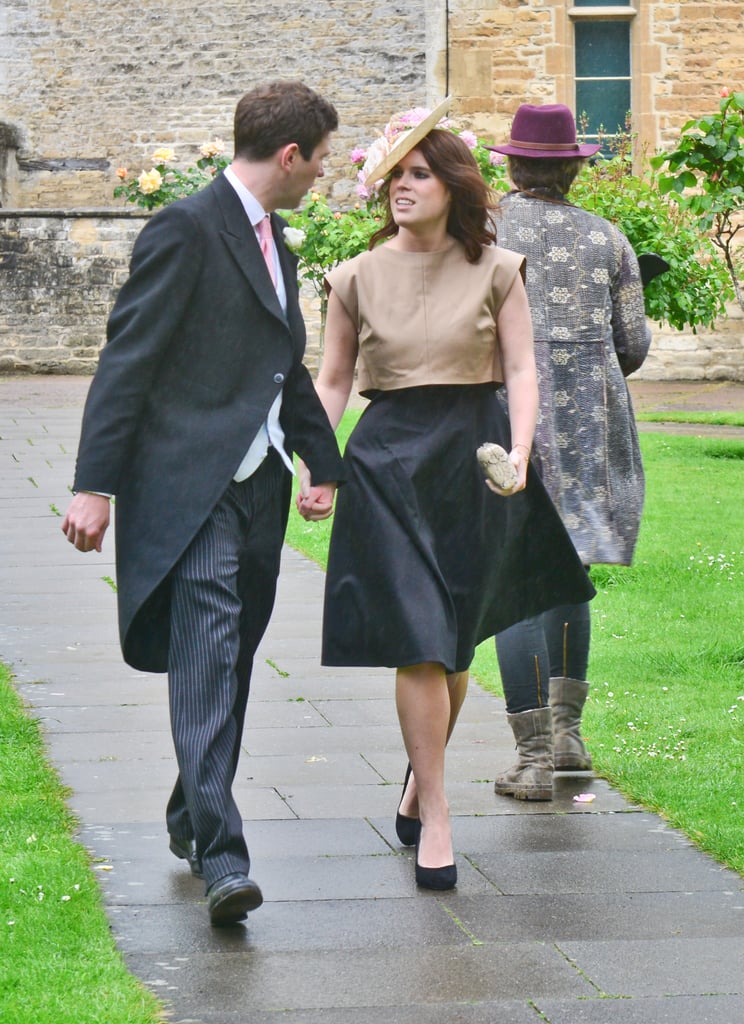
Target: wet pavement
[(566, 913)]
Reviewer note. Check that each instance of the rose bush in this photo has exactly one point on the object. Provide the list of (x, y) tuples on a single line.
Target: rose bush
[(705, 174), (163, 184), (696, 287)]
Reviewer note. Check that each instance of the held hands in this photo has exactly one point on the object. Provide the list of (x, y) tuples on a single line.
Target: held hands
[(87, 520), (314, 502)]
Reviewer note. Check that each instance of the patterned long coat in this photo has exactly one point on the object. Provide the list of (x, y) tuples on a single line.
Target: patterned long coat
[(586, 300)]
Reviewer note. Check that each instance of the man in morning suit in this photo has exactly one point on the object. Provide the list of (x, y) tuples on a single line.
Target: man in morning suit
[(199, 400)]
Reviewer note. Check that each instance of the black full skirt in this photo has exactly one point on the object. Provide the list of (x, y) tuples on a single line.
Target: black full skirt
[(425, 561)]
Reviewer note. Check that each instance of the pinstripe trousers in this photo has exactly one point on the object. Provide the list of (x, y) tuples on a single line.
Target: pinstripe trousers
[(222, 595)]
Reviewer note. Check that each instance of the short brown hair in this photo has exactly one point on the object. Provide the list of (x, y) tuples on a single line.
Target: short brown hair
[(278, 113), (471, 204), (529, 173)]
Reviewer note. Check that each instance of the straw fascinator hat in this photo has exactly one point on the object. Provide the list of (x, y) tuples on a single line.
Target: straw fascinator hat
[(387, 152), (546, 131)]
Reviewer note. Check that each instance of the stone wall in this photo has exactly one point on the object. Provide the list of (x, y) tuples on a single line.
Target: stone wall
[(708, 355), (506, 52), (91, 85), (61, 270), (60, 273)]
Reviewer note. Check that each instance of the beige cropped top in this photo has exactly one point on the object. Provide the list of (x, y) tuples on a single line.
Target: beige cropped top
[(426, 317)]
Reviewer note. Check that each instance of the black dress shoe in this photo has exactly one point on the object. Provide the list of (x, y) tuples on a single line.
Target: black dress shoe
[(230, 898), (407, 829), (184, 849), (435, 878)]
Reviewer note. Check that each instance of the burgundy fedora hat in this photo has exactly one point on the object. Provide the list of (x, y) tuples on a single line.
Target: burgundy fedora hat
[(546, 131)]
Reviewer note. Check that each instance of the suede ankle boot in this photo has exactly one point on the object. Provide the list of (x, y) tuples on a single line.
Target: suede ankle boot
[(567, 698), (531, 778)]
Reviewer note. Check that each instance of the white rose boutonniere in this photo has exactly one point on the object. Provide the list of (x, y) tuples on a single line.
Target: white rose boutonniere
[(294, 238)]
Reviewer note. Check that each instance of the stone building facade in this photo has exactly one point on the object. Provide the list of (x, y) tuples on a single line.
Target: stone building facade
[(88, 87)]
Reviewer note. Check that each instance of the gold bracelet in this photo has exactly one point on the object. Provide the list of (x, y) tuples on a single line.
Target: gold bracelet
[(526, 448)]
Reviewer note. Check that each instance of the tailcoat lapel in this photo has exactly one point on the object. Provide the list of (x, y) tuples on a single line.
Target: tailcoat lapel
[(240, 239), (288, 262)]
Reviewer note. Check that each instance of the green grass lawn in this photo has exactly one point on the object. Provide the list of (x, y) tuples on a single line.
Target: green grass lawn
[(665, 717), (726, 419), (58, 962)]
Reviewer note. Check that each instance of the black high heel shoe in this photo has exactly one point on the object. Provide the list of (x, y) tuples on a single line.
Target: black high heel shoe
[(435, 878), (407, 829)]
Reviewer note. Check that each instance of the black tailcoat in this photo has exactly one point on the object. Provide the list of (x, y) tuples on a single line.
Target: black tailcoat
[(197, 350)]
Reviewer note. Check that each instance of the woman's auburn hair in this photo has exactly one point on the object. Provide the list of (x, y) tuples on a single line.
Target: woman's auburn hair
[(472, 202)]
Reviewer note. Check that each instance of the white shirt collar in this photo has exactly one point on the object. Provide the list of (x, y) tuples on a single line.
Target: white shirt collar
[(251, 205)]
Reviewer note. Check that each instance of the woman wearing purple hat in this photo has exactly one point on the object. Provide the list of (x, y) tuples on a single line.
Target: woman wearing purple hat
[(585, 296)]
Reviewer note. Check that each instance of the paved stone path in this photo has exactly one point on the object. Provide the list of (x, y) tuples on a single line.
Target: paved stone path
[(565, 913)]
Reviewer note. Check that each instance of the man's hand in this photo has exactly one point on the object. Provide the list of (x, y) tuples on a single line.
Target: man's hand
[(317, 503), (314, 502), (87, 520)]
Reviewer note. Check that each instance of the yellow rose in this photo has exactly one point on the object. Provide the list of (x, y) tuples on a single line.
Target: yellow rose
[(150, 181), (162, 155), (212, 149)]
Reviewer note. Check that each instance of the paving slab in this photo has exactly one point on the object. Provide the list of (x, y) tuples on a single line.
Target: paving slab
[(569, 913), (391, 978), (707, 1009)]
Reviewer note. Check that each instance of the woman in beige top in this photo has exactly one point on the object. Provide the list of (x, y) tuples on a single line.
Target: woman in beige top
[(425, 561)]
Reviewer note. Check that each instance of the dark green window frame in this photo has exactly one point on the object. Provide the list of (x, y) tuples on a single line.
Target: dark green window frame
[(602, 68)]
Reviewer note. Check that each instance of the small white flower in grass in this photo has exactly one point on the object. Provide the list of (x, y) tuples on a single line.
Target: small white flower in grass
[(293, 238), (31, 839), (66, 899)]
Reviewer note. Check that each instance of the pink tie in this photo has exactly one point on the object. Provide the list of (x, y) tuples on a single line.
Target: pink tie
[(267, 245)]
